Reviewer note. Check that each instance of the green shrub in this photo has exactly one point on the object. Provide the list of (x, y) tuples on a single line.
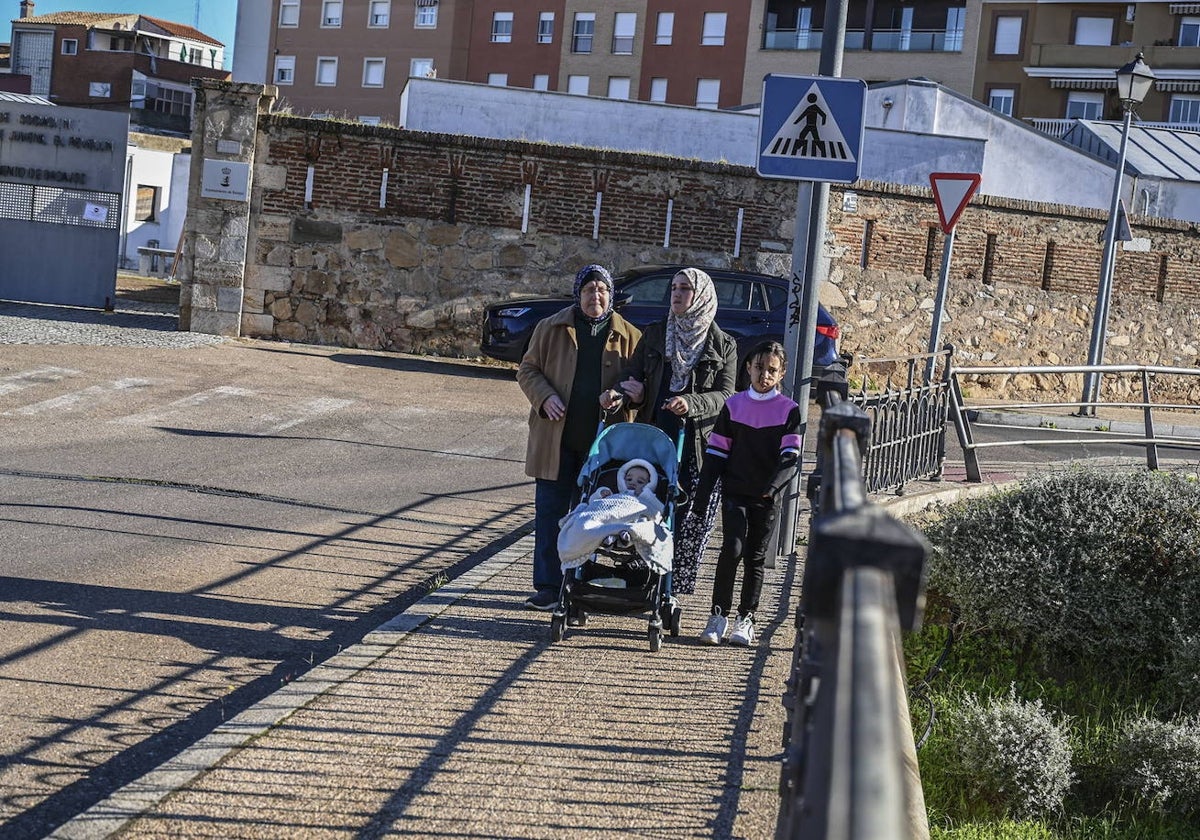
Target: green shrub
[(1159, 763), (1013, 755), (1103, 566)]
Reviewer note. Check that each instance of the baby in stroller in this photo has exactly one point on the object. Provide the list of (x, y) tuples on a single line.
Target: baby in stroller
[(629, 517)]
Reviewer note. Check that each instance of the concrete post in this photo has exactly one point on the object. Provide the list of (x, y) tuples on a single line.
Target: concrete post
[(213, 261)]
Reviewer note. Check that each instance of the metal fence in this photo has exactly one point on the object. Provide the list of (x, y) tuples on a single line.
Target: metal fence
[(1091, 429), (908, 418), (850, 770)]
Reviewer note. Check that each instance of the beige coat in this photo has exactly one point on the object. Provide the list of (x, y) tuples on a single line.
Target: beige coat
[(548, 367)]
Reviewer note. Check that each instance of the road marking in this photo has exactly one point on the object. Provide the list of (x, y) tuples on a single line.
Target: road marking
[(200, 398), (28, 378), (309, 410), (76, 398)]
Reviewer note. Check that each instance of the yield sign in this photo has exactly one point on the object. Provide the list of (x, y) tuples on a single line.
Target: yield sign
[(952, 191)]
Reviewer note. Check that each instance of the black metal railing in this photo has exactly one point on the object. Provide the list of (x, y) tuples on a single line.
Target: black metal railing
[(908, 418), (850, 770)]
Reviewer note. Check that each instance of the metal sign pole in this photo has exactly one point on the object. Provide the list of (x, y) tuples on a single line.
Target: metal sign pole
[(803, 297), (939, 307)]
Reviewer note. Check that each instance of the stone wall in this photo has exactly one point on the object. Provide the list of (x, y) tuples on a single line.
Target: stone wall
[(326, 263)]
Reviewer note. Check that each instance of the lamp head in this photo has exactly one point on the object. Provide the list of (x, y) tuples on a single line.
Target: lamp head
[(1134, 81)]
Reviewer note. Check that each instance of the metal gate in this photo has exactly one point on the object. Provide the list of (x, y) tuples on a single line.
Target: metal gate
[(59, 245)]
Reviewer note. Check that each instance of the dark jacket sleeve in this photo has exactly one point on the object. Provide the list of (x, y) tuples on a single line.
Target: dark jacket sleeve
[(789, 459), (707, 403), (713, 467)]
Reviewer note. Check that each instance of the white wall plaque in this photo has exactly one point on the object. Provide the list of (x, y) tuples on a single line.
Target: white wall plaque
[(228, 179)]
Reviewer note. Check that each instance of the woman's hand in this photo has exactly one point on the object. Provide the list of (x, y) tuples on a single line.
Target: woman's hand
[(676, 405), (610, 399), (634, 390), (553, 407)]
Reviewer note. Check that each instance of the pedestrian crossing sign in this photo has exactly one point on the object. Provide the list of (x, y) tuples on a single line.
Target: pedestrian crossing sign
[(811, 128)]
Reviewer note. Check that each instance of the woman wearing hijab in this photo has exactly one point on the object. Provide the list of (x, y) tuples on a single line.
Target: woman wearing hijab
[(573, 355), (681, 374)]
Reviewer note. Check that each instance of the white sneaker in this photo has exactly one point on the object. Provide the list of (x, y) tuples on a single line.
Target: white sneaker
[(743, 631), (715, 629)]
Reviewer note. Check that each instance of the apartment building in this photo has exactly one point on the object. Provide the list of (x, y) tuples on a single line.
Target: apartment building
[(885, 40), (352, 57), (115, 62), (1051, 63)]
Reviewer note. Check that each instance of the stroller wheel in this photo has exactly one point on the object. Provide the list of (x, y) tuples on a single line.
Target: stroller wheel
[(655, 636), (673, 624), (558, 625)]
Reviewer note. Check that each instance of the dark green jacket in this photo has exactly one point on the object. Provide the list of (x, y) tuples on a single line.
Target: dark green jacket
[(711, 382)]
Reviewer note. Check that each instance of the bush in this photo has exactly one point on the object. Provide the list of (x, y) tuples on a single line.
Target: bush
[(1013, 755), (1079, 564), (1159, 763)]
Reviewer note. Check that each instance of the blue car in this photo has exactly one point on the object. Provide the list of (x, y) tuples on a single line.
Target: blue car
[(750, 307)]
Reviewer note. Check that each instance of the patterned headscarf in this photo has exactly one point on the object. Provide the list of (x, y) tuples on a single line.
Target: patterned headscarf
[(586, 275), (686, 333)]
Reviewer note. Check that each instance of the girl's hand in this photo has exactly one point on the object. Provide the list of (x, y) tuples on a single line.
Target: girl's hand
[(634, 390)]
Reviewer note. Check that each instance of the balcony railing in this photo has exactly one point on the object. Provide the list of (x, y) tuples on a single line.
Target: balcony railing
[(882, 40), (1059, 127)]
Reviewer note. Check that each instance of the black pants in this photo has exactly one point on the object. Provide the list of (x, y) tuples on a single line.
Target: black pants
[(747, 525)]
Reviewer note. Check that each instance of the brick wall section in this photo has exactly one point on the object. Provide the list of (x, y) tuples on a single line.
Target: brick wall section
[(415, 275)]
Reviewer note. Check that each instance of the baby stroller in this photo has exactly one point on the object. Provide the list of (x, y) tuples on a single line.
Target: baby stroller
[(624, 570)]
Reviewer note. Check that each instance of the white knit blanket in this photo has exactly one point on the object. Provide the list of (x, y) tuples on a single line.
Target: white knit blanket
[(583, 530)]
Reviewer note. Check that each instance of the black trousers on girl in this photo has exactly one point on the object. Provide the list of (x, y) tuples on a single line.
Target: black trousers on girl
[(747, 524)]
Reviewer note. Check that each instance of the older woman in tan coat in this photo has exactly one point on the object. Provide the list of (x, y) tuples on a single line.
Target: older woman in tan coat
[(573, 356)]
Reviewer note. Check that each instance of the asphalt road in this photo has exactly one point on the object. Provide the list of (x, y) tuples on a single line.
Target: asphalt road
[(187, 529)]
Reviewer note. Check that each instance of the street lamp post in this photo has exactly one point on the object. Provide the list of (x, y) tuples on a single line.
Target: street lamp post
[(1133, 83)]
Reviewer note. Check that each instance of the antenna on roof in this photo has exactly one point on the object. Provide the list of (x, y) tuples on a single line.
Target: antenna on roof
[(196, 23)]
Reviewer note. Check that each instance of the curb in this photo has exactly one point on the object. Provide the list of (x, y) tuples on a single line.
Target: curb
[(1094, 425)]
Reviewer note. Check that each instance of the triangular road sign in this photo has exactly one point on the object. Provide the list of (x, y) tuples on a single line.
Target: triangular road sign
[(952, 191), (810, 131)]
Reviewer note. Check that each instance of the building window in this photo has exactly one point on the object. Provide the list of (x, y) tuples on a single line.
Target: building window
[(426, 14), (624, 25), (708, 92), (100, 90), (577, 85), (289, 13), (327, 71), (331, 13), (541, 81), (502, 27), (658, 90), (1185, 108), (1189, 32), (373, 72), (1093, 32), (956, 19), (498, 79), (585, 28), (421, 68), (714, 29), (379, 14), (70, 46), (1007, 40), (1001, 99), (1085, 105), (146, 207), (664, 27), (370, 120), (285, 69), (167, 100), (618, 87), (546, 27)]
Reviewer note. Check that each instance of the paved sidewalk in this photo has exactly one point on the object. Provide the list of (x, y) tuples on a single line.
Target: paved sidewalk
[(459, 718)]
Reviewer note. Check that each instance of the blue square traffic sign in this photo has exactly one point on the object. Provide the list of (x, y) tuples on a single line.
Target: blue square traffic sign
[(811, 128)]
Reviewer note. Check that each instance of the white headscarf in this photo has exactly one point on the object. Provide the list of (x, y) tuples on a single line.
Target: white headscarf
[(623, 482), (686, 333)]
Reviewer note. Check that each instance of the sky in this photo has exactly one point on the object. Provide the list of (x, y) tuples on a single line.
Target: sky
[(217, 18)]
